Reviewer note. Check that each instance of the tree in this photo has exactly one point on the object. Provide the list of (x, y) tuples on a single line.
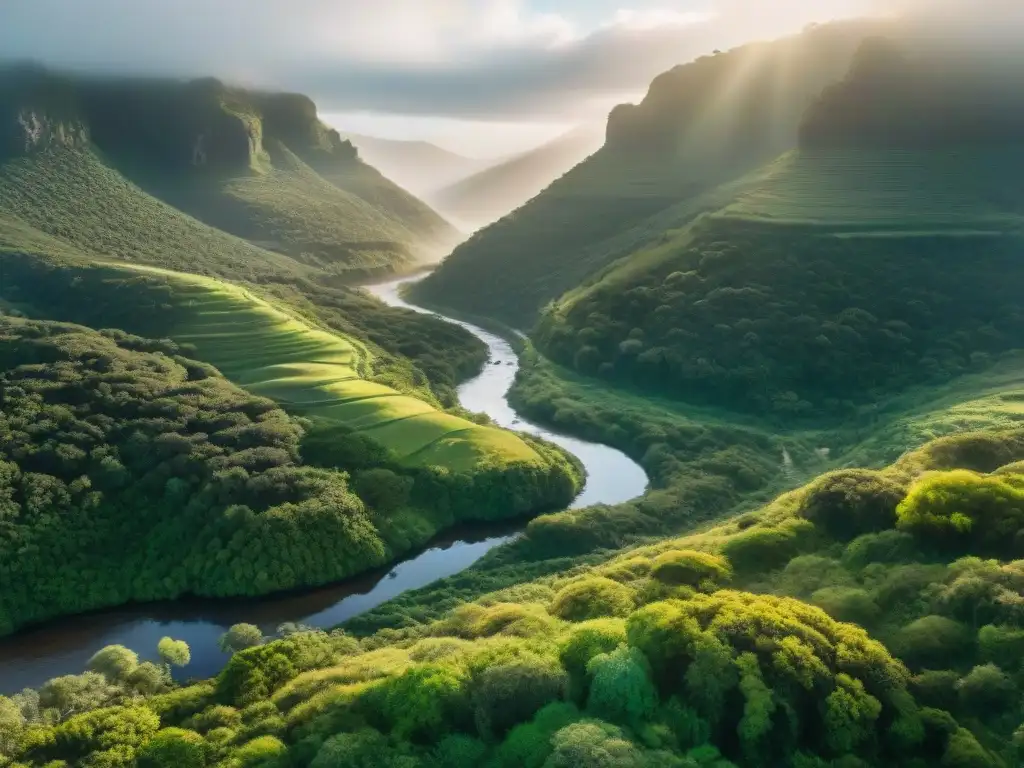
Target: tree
[(621, 690), (175, 748), (592, 744), (507, 694), (114, 662), (986, 690), (932, 641), (174, 653), (12, 723), (239, 637), (72, 694)]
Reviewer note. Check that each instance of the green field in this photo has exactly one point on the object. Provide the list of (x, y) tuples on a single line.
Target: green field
[(318, 374)]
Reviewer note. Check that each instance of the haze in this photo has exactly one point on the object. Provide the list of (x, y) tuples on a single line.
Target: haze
[(484, 77)]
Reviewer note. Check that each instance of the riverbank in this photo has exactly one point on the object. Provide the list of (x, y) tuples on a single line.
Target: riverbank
[(31, 657)]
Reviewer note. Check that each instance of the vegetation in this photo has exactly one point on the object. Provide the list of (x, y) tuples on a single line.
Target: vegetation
[(259, 166), (110, 438), (771, 304), (701, 124), (623, 666)]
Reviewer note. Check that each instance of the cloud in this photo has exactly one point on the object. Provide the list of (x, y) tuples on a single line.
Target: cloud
[(482, 59)]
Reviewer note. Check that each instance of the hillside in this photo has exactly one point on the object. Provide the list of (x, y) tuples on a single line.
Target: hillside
[(874, 259), (258, 166), (486, 196), (419, 166), (700, 124), (736, 646)]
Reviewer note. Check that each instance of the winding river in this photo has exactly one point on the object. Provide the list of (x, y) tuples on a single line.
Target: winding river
[(62, 647)]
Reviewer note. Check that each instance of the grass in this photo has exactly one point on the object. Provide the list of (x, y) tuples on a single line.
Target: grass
[(914, 192), (319, 375)]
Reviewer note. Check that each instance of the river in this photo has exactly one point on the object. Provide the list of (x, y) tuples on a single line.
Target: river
[(63, 646)]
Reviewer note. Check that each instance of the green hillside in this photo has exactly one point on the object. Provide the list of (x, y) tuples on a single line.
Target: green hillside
[(700, 125), (259, 166), (856, 267)]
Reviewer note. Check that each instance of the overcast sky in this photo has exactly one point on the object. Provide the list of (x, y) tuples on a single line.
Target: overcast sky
[(478, 76)]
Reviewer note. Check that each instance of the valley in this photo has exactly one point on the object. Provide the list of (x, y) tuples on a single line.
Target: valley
[(709, 454)]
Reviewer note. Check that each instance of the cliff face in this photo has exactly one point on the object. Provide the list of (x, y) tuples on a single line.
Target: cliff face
[(752, 95), (903, 96), (195, 126)]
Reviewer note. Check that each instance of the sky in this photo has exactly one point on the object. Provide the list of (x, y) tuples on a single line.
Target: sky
[(481, 77)]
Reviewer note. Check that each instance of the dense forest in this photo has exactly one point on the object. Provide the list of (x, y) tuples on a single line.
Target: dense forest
[(662, 656), (109, 438), (789, 322)]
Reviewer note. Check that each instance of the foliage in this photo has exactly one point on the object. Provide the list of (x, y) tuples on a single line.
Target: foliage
[(591, 599), (849, 503), (962, 510), (239, 637), (175, 653), (691, 568), (174, 748)]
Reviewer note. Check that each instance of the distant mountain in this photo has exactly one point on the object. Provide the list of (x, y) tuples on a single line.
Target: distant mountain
[(128, 166), (419, 166), (491, 193), (701, 124)]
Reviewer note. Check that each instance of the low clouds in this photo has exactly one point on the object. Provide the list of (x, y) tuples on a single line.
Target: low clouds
[(480, 59)]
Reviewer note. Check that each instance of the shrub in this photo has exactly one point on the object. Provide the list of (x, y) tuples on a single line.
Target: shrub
[(115, 662), (964, 511), (423, 702), (175, 748), (846, 604), (936, 688), (592, 598), (851, 502), (507, 694), (264, 752), (932, 641), (621, 690), (1002, 645), (760, 548), (883, 547), (690, 568)]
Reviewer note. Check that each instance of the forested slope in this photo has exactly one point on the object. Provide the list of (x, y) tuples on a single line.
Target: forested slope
[(868, 262), (734, 647), (700, 124), (260, 166)]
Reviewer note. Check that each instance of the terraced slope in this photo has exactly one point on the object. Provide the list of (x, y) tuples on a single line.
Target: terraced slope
[(319, 375)]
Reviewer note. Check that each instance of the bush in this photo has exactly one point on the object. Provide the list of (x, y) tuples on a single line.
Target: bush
[(115, 662), (851, 502), (690, 568), (507, 694), (621, 690), (933, 642), (964, 511), (175, 748), (761, 549), (883, 547), (986, 690), (847, 604), (592, 598), (264, 752), (1002, 645)]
